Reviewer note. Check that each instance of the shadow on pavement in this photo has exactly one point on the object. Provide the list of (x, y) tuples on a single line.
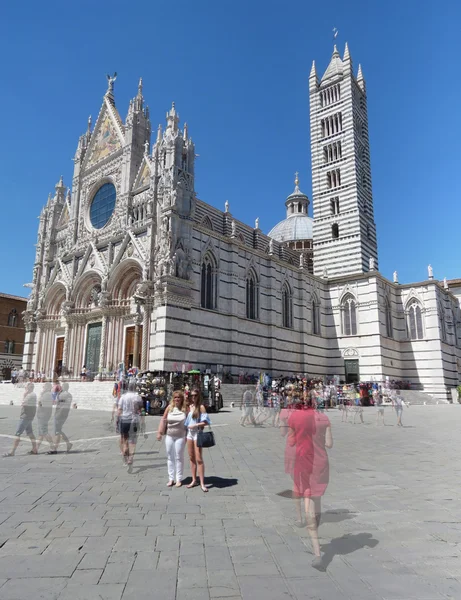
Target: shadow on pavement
[(346, 545), (220, 482)]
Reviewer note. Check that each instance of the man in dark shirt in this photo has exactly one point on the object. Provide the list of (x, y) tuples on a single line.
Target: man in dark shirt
[(28, 410)]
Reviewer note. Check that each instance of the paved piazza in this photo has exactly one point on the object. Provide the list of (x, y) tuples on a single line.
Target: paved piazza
[(78, 527)]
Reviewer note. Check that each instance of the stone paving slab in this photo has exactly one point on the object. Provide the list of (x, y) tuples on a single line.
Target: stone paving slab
[(78, 525)]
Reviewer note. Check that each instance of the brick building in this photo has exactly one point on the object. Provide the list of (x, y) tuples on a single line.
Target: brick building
[(12, 333)]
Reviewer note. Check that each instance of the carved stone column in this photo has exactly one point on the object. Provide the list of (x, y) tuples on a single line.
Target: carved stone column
[(102, 350), (137, 323), (65, 350), (145, 335)]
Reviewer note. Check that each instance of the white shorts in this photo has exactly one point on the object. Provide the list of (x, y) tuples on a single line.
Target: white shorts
[(192, 434)]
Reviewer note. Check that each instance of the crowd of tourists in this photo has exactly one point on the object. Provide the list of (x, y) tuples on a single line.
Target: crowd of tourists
[(181, 425), (49, 404)]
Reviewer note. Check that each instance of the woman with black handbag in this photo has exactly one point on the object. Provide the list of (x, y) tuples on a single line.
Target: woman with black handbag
[(195, 423)]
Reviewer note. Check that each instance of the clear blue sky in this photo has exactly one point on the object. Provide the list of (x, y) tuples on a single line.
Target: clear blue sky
[(238, 72)]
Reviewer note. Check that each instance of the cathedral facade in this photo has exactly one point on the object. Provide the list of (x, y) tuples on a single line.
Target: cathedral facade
[(131, 267)]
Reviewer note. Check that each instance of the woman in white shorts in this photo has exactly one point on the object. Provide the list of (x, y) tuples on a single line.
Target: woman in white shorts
[(196, 419)]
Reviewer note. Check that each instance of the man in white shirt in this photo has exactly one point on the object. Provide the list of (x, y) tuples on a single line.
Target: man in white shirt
[(129, 408)]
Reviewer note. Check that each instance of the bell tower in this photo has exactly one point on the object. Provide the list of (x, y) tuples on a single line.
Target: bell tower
[(344, 226)]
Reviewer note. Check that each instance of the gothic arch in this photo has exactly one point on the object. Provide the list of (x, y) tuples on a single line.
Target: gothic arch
[(414, 313), (209, 247), (347, 291), (124, 279), (209, 280), (84, 287), (252, 293), (206, 222), (287, 305), (55, 296)]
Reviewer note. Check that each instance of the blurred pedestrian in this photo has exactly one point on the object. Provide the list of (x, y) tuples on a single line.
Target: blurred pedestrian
[(28, 411)]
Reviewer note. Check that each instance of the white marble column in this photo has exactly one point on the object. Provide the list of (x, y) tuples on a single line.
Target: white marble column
[(102, 350), (145, 336)]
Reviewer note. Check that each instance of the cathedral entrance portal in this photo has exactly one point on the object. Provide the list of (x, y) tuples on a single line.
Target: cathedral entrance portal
[(351, 368), (132, 345), (93, 346), (59, 355)]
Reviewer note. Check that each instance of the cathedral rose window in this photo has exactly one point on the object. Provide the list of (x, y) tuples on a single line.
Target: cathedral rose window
[(103, 205)]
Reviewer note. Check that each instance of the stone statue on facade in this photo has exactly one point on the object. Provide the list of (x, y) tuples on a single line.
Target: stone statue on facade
[(445, 283), (110, 83), (301, 261), (226, 206), (66, 307), (396, 277), (233, 228), (325, 273), (430, 272), (371, 265), (271, 246), (257, 223)]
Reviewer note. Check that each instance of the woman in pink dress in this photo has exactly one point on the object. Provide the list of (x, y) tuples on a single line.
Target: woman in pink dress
[(310, 434)]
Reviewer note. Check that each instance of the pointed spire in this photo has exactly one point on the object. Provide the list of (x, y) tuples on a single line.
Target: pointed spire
[(172, 118), (347, 55), (88, 130), (185, 131), (313, 72), (146, 148), (360, 79), (68, 196), (335, 68), (60, 184), (140, 88), (159, 133)]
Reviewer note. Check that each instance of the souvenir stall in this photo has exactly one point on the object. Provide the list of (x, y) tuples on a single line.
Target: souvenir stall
[(209, 386), (155, 390)]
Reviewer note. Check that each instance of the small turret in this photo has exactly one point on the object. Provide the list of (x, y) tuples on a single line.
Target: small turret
[(172, 118), (360, 79)]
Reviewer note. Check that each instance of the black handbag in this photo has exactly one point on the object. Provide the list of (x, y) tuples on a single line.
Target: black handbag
[(205, 439)]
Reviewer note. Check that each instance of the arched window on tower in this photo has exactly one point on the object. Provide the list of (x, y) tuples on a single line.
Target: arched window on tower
[(414, 320), (315, 317), (252, 296), (349, 315), (13, 318), (335, 231), (208, 283), (287, 306), (9, 347), (388, 315)]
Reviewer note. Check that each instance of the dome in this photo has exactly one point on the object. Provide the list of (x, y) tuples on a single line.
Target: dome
[(295, 227)]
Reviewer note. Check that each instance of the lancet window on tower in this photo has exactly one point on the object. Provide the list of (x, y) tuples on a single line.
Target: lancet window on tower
[(334, 205), (334, 178), (330, 95), (332, 125), (332, 152)]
